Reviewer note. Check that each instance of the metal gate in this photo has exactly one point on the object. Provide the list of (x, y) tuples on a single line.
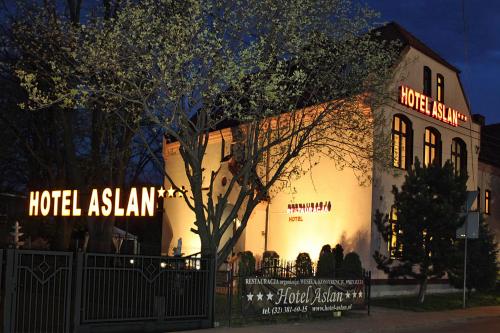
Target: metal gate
[(117, 288), (48, 291), (38, 287)]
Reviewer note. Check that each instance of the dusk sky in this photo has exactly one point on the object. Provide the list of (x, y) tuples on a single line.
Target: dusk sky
[(439, 25)]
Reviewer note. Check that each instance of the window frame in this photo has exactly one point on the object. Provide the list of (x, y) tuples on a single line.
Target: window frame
[(487, 202), (427, 81), (394, 247), (459, 152), (405, 136), (436, 146), (440, 87)]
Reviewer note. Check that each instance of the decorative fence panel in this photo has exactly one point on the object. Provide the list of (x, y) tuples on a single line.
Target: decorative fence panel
[(38, 287), (47, 291), (132, 288)]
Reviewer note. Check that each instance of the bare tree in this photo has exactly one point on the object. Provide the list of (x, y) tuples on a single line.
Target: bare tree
[(297, 80)]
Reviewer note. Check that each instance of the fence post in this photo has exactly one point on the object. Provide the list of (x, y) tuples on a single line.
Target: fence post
[(78, 291), (10, 289)]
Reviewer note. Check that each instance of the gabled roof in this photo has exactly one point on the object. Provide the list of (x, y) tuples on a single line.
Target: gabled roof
[(394, 32)]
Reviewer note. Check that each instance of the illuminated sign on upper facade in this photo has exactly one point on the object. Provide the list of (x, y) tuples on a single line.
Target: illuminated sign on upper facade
[(426, 105), (105, 202), (309, 207)]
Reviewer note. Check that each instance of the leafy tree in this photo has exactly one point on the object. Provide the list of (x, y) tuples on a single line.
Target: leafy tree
[(351, 267), (482, 265), (427, 207), (296, 79), (303, 265), (61, 144), (326, 263)]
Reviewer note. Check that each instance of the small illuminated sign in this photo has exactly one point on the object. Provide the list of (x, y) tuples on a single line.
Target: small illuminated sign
[(105, 202), (426, 105), (309, 207)]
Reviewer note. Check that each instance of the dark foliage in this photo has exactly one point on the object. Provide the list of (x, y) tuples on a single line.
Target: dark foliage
[(482, 266), (326, 263), (303, 265), (351, 267), (428, 208)]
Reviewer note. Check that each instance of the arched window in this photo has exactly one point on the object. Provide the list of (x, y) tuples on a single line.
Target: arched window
[(427, 81), (459, 156), (402, 142), (440, 88), (432, 146)]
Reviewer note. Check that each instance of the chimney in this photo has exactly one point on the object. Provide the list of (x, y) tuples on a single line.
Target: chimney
[(478, 119)]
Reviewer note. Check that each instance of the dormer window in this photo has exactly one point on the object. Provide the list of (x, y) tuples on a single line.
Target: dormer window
[(427, 81), (440, 88)]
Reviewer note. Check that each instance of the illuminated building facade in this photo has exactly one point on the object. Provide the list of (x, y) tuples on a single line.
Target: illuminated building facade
[(429, 120)]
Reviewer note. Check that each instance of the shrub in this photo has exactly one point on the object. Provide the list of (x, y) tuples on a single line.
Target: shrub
[(326, 263), (270, 263), (246, 265), (482, 266), (351, 267), (303, 265), (338, 254)]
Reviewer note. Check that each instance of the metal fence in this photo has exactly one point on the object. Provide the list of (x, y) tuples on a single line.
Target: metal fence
[(38, 288), (47, 291)]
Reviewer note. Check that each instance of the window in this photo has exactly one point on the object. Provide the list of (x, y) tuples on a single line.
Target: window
[(395, 247), (459, 156), (487, 202), (440, 88), (427, 81), (401, 142), (432, 146)]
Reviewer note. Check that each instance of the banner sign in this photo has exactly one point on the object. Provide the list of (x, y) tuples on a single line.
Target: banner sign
[(270, 296)]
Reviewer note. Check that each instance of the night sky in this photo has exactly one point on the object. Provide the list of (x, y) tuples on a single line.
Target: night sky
[(439, 24)]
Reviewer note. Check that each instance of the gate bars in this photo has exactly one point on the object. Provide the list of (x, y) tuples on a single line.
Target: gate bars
[(48, 291)]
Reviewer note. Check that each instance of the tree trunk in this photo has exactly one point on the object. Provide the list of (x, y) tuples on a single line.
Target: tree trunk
[(421, 292)]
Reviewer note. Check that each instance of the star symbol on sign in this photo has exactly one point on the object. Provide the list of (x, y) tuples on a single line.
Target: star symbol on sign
[(269, 296), (249, 297), (171, 192), (347, 295), (259, 296), (161, 193), (360, 294)]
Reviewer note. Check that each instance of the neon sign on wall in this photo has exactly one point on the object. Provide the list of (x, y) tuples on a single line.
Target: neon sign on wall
[(105, 202), (426, 105), (309, 207)]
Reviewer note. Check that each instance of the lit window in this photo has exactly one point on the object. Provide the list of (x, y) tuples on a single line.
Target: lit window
[(459, 156), (432, 146), (440, 88), (401, 142), (427, 81), (395, 247), (487, 202)]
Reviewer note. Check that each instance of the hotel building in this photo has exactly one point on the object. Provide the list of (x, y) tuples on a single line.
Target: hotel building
[(429, 119)]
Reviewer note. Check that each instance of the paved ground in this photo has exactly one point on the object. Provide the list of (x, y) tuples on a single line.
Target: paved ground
[(382, 320)]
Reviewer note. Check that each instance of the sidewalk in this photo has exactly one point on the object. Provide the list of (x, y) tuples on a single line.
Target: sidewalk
[(380, 320)]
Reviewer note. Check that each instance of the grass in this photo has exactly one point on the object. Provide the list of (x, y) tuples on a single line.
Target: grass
[(439, 302)]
